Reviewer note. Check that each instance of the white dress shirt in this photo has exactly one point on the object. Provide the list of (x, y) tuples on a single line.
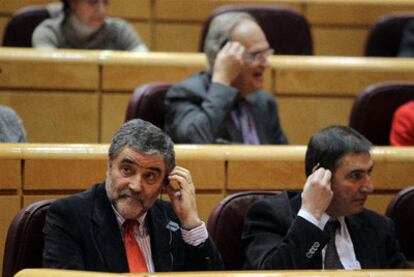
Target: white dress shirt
[(343, 240), (193, 237)]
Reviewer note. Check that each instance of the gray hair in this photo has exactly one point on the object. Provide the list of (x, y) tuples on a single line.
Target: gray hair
[(220, 30), (145, 138)]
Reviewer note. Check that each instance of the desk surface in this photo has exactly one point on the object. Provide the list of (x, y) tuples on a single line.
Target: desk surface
[(297, 273)]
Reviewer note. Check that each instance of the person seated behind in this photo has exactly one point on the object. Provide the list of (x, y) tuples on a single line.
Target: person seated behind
[(407, 41), (87, 231), (11, 126), (85, 24), (227, 103), (291, 230), (402, 128)]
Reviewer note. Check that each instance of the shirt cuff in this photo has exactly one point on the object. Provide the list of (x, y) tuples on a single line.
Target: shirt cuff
[(310, 218), (195, 236)]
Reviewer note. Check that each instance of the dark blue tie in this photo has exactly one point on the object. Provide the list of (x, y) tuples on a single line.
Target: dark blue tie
[(332, 260)]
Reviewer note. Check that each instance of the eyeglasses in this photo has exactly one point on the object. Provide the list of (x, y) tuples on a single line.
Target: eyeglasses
[(258, 56)]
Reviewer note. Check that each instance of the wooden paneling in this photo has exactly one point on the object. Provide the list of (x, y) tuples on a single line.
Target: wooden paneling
[(339, 41), (138, 68), (206, 202), (188, 11), (56, 116), (9, 206), (379, 202), (302, 116), (67, 167), (352, 12), (393, 167), (343, 76), (144, 31), (3, 22), (130, 9), (53, 174), (279, 167), (10, 174), (9, 7), (114, 107), (182, 37), (48, 75), (30, 199), (10, 166), (207, 165)]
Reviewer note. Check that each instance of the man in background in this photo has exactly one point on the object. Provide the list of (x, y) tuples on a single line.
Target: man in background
[(227, 104)]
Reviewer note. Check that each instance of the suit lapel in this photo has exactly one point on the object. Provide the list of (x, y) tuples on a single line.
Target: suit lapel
[(162, 239), (107, 235), (363, 239)]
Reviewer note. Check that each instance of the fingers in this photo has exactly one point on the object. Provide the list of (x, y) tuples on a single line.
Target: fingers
[(183, 177)]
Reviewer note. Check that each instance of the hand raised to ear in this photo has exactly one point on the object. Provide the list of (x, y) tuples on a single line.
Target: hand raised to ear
[(317, 192)]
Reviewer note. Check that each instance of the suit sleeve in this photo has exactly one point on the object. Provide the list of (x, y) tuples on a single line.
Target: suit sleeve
[(203, 257), (407, 42), (61, 247), (276, 239), (194, 114), (394, 256)]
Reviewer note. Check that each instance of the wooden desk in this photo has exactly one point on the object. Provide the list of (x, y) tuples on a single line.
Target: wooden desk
[(242, 273), (86, 99)]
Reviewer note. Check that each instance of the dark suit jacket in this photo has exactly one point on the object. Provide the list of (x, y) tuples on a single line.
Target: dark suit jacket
[(81, 232), (275, 238), (198, 111), (407, 41)]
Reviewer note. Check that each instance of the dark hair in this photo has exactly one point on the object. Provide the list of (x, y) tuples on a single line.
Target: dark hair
[(145, 138), (330, 144)]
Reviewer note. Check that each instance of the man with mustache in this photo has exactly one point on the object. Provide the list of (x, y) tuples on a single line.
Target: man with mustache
[(120, 225), (227, 104), (326, 225)]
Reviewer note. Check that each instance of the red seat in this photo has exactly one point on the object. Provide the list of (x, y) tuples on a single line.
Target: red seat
[(225, 225), (24, 241), (287, 31), (385, 36), (147, 103), (373, 109), (401, 211), (18, 31)]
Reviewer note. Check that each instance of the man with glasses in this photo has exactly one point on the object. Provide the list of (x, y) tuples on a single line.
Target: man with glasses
[(226, 103)]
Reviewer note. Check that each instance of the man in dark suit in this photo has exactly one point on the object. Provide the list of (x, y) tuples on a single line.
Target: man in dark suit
[(297, 230), (87, 231), (227, 104)]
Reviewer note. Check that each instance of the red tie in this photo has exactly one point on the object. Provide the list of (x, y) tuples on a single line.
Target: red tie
[(136, 260)]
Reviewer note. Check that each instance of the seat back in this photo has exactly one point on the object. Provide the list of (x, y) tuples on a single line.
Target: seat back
[(401, 211), (384, 38), (373, 109), (18, 31), (225, 225), (24, 241), (286, 30), (147, 103)]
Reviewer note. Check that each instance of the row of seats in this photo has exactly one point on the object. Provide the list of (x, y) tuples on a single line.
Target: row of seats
[(371, 113), (288, 31), (24, 241)]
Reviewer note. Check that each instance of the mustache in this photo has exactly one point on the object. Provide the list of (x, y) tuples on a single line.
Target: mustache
[(135, 196)]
